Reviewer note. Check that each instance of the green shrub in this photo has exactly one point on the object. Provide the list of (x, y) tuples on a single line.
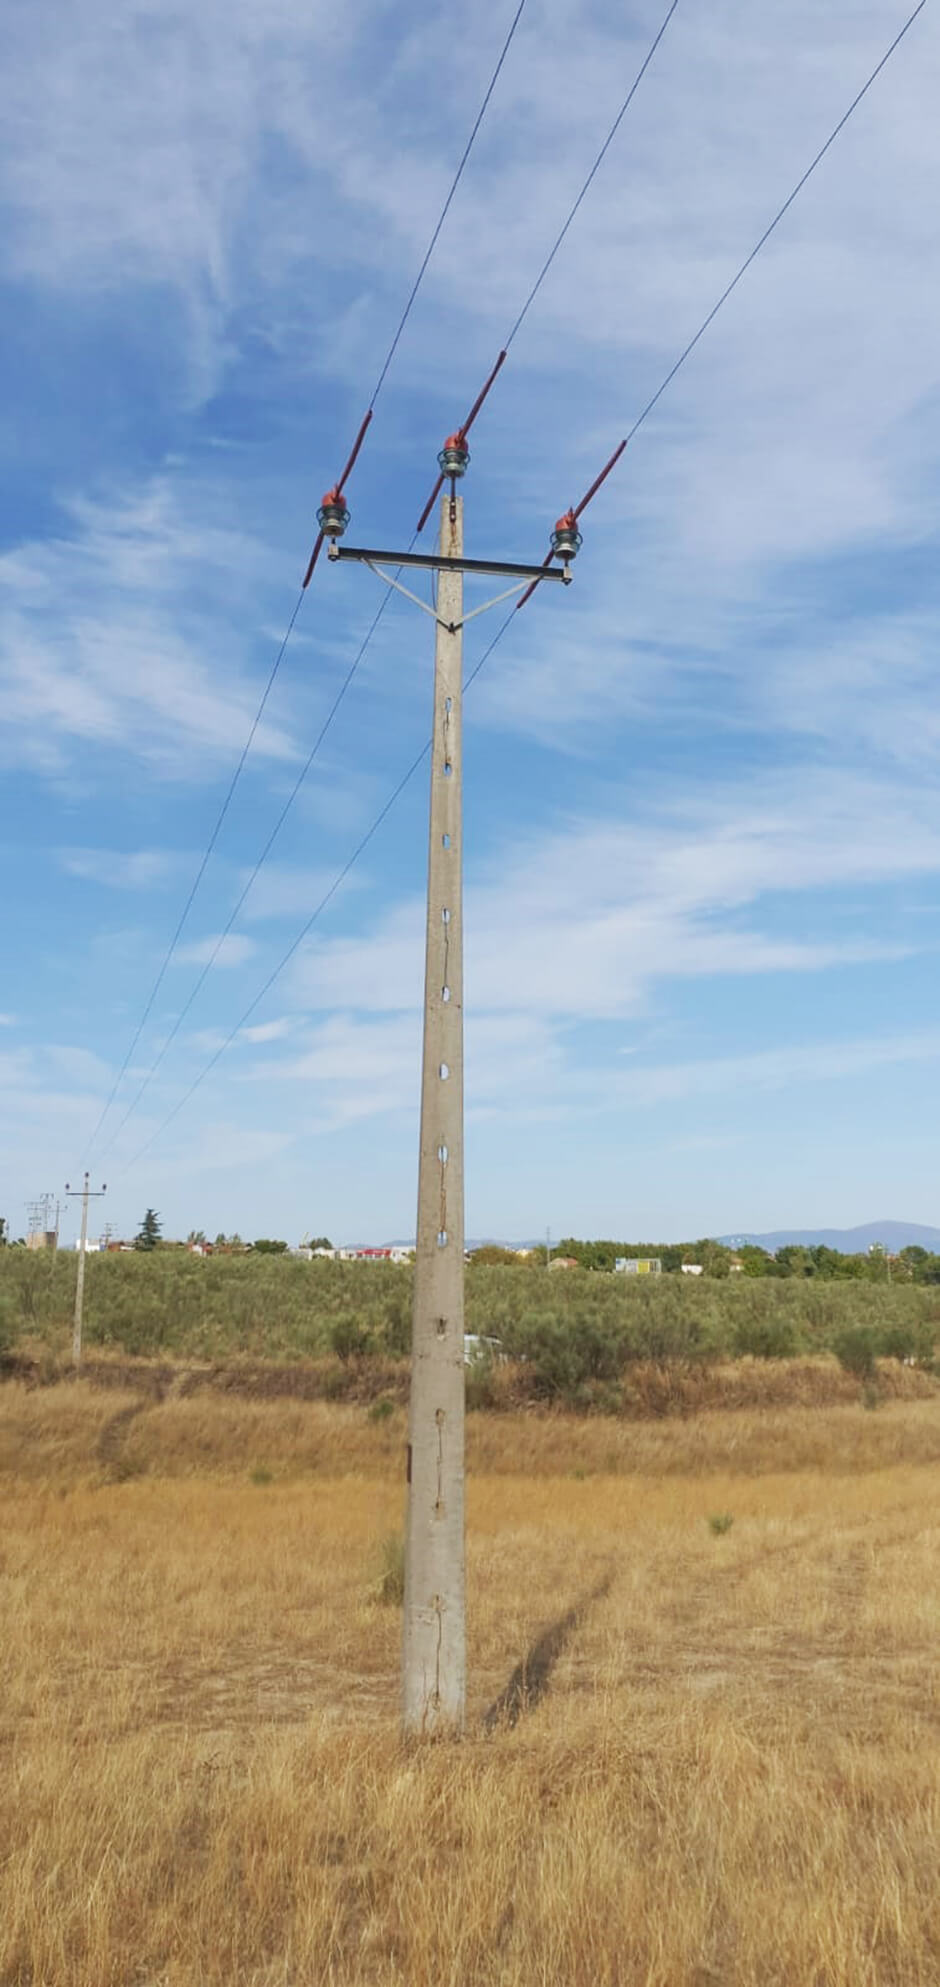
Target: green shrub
[(856, 1348), (350, 1337), (766, 1338), (564, 1354), (720, 1522), (381, 1410)]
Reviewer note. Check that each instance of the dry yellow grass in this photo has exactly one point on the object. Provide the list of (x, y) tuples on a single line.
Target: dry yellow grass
[(732, 1776)]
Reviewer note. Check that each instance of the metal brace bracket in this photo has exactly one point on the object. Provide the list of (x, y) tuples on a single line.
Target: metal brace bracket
[(450, 626)]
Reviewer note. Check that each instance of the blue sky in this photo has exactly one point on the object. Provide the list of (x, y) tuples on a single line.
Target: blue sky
[(702, 807)]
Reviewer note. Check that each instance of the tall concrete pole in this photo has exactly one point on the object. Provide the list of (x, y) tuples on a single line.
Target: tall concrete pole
[(85, 1194), (80, 1281), (434, 1649)]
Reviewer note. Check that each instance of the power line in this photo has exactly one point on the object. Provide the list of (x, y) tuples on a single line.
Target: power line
[(608, 141), (755, 251), (314, 917), (559, 238), (148, 1008), (313, 561), (432, 244), (187, 907), (778, 217), (501, 631), (269, 844), (381, 379), (288, 956)]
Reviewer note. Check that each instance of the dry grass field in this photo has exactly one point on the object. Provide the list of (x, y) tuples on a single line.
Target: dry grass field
[(721, 1763)]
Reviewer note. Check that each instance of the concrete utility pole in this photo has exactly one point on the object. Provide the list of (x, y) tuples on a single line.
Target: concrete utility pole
[(434, 1635), (434, 1651), (85, 1194)]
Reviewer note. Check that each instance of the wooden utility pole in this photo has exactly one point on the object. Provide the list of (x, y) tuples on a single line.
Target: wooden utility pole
[(85, 1194), (434, 1662)]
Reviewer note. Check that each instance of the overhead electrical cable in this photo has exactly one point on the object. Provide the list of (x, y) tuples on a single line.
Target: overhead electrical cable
[(187, 907), (462, 432), (502, 630), (313, 919), (148, 1006), (288, 955), (269, 844), (755, 251), (778, 217), (432, 244), (338, 492), (608, 141)]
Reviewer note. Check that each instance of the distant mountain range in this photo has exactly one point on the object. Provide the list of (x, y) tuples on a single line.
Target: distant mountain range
[(849, 1241)]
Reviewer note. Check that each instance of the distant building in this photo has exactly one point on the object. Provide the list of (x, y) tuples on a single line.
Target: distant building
[(692, 1269), (398, 1253), (639, 1265), (564, 1262), (42, 1238)]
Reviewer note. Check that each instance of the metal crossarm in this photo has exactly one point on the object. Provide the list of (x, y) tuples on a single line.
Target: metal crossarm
[(438, 563)]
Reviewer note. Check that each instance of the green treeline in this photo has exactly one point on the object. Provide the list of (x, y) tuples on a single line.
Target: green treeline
[(572, 1329), (911, 1265)]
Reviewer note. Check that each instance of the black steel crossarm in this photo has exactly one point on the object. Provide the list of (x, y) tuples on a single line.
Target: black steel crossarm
[(501, 567)]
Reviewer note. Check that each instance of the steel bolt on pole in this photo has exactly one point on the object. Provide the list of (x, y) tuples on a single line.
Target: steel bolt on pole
[(434, 1643)]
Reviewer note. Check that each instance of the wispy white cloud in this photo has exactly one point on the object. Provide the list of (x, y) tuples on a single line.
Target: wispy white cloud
[(582, 920), (205, 1041), (82, 1066), (291, 891), (772, 1069), (102, 639), (268, 1031), (352, 1069), (234, 950), (137, 869)]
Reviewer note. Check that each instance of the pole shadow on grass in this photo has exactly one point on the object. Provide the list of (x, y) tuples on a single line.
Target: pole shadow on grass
[(530, 1678)]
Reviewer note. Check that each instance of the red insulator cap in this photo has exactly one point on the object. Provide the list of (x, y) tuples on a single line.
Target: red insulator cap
[(568, 522), (334, 496)]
